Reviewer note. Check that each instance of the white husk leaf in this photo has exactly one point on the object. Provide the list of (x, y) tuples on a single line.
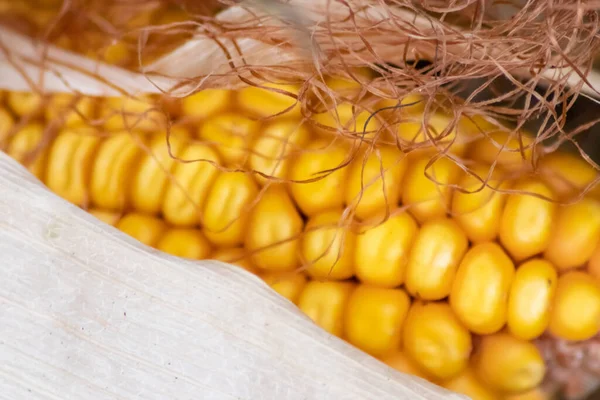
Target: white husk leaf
[(87, 312)]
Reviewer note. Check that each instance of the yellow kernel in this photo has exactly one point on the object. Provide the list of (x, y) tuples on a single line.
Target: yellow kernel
[(434, 258), (118, 53), (468, 383), (534, 394), (426, 189), (185, 243), (568, 174), (593, 266), (186, 195), (530, 299), (511, 151), (347, 117), (225, 213), (575, 312), (375, 181), (115, 160), (527, 220), (328, 248), (382, 250), (274, 229), (478, 211), (401, 362), (26, 146), (437, 341), (427, 135), (287, 284), (325, 303), (322, 163), (508, 364), (575, 234), (70, 162), (230, 134), (71, 109), (234, 255), (271, 100), (480, 288), (132, 113), (6, 125), (272, 151), (374, 319), (108, 217), (349, 87), (154, 171), (145, 228), (25, 103)]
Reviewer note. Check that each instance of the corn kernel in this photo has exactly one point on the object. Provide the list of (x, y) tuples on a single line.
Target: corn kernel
[(530, 299), (349, 87), (430, 136), (381, 253), (375, 181), (186, 196), (575, 234), (481, 287), (155, 169), (6, 125), (328, 248), (71, 110), (70, 161), (272, 150), (575, 312), (274, 229), (128, 113), (225, 213), (185, 243), (25, 103), (117, 156), (468, 384), (287, 284), (375, 317), (434, 258), (400, 361), (348, 118), (145, 228), (266, 102), (426, 190), (437, 341), (509, 150), (325, 303), (27, 148), (534, 394), (117, 53), (527, 221), (568, 174), (509, 364), (231, 134), (234, 255), (478, 211), (108, 217), (593, 266), (316, 162)]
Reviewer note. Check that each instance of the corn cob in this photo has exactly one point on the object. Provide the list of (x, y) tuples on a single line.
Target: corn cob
[(358, 227)]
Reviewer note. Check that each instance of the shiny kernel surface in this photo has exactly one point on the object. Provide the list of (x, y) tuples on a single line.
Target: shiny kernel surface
[(185, 243), (434, 258), (435, 338), (225, 213), (273, 231), (527, 220), (382, 249), (375, 317), (328, 248), (530, 298), (375, 181), (425, 188), (508, 364), (575, 311), (575, 234), (325, 303), (480, 289)]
